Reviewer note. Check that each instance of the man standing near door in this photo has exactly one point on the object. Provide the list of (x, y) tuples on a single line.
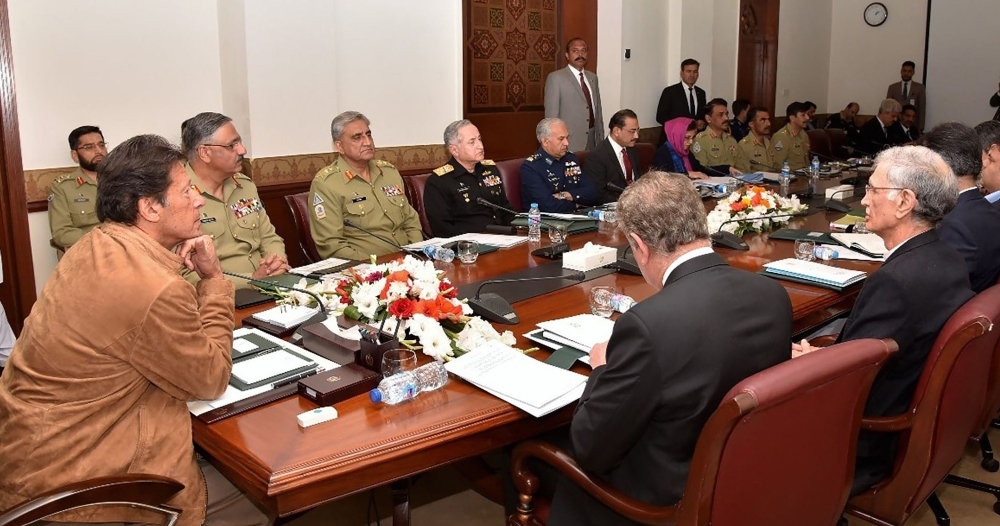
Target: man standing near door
[(683, 99), (572, 95), (908, 91)]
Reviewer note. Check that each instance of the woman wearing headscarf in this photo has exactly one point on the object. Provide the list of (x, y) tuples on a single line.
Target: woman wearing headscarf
[(674, 155)]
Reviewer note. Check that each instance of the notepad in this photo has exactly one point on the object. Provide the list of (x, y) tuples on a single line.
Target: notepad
[(585, 330), (269, 365), (286, 316), (815, 272), (251, 344), (868, 244)]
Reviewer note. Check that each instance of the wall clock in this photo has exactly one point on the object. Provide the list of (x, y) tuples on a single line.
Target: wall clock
[(876, 14)]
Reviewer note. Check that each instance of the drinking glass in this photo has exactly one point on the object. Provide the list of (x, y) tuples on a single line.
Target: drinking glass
[(400, 360), (860, 227), (558, 233), (600, 301), (467, 251), (804, 249)]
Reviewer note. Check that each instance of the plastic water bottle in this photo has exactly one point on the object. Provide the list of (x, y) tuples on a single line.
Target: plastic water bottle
[(609, 216), (815, 166), (408, 384), (534, 223), (446, 255), (622, 303), (814, 175), (825, 253), (786, 177)]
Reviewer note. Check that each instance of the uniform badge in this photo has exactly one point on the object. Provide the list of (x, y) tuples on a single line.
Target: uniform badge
[(696, 148), (207, 220), (349, 175), (444, 169), (81, 200), (392, 190), (245, 207), (777, 146), (466, 196), (79, 181), (317, 199), (195, 188), (320, 211), (732, 149), (49, 198), (357, 199), (492, 180), (237, 181)]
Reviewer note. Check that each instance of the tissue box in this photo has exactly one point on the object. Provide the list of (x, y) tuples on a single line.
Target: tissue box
[(840, 191), (337, 385), (589, 257)]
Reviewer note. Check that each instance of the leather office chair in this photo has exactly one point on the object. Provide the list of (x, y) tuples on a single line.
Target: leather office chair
[(414, 185), (646, 153), (838, 143), (819, 142), (299, 205), (510, 174), (149, 492), (582, 156), (758, 456), (945, 411)]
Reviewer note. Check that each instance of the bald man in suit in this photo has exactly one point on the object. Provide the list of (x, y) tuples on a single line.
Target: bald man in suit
[(572, 95)]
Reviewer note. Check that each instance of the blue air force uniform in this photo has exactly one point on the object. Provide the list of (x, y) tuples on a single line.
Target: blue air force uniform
[(542, 176)]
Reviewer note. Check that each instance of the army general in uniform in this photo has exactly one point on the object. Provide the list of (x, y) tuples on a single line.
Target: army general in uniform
[(233, 215), (73, 196), (715, 148), (755, 147), (359, 189), (791, 143), (452, 192)]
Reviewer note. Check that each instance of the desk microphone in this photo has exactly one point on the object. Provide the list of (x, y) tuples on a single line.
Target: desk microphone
[(494, 308), (614, 187), (721, 238), (495, 206), (836, 204), (320, 316), (627, 264), (755, 162), (389, 242)]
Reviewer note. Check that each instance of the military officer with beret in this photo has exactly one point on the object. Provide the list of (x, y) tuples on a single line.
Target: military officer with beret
[(233, 215), (715, 148), (754, 147), (450, 197), (791, 143), (73, 196), (552, 176), (359, 189)]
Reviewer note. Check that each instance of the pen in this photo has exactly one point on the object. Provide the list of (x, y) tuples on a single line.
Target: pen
[(296, 378)]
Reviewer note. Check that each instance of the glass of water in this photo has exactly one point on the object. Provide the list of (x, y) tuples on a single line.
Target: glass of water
[(467, 251), (400, 360), (804, 249), (600, 301), (558, 233)]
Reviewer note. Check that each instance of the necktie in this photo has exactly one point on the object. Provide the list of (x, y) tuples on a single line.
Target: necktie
[(628, 166), (906, 90), (590, 103), (694, 111)]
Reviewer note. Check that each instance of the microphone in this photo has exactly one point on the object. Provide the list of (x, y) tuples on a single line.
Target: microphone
[(836, 204), (495, 206), (494, 308), (721, 238), (320, 316), (826, 158), (755, 162), (613, 186), (626, 263), (352, 224)]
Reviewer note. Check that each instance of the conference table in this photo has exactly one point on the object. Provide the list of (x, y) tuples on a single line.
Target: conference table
[(288, 469)]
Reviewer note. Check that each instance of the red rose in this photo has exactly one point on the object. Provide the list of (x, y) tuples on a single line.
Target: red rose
[(401, 308), (447, 289)]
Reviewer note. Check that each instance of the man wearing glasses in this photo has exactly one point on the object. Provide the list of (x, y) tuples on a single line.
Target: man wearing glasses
[(73, 197), (233, 214)]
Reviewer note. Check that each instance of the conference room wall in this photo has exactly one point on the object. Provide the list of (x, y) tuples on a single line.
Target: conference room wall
[(803, 52)]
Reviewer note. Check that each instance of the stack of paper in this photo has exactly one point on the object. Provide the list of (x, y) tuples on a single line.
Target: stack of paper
[(580, 332), (319, 266), (815, 272), (868, 244), (536, 387), (286, 316), (495, 240)]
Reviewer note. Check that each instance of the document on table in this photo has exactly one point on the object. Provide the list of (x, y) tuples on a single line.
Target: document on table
[(496, 240), (266, 365), (585, 330), (319, 266), (286, 316), (816, 272), (564, 217), (529, 384)]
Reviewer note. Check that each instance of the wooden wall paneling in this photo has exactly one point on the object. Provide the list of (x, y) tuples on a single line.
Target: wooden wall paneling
[(757, 60), (18, 289)]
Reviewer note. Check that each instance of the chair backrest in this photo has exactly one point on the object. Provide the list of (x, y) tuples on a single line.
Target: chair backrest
[(646, 153), (581, 156), (299, 205), (838, 143), (759, 458), (992, 402), (150, 492), (819, 142), (510, 174), (415, 185)]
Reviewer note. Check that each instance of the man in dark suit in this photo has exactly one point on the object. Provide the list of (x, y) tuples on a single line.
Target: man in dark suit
[(615, 161), (909, 91), (973, 226), (921, 284), (874, 135), (989, 141), (683, 99), (668, 365), (904, 130)]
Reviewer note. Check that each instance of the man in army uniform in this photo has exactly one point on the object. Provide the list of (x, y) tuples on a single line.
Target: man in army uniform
[(450, 197), (367, 192), (791, 143), (552, 176), (754, 147), (233, 215), (72, 197), (715, 148)]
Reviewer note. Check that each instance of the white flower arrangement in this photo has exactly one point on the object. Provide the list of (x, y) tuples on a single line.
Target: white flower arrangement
[(754, 208)]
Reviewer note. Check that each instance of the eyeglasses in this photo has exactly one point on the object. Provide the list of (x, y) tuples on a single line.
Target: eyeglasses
[(231, 146), (92, 146), (869, 188)]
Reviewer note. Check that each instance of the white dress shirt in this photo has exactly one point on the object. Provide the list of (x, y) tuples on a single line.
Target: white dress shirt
[(685, 257), (618, 153)]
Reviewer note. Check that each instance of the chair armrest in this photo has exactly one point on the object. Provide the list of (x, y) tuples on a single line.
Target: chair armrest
[(823, 341), (887, 424), (527, 484)]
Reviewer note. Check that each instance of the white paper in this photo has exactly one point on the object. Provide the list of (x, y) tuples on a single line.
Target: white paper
[(496, 240), (538, 412), (286, 316), (352, 333), (522, 380), (266, 365), (241, 346), (434, 241), (869, 242), (305, 270), (815, 271), (586, 330)]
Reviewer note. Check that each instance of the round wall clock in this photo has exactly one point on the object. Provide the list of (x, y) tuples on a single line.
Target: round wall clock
[(876, 14)]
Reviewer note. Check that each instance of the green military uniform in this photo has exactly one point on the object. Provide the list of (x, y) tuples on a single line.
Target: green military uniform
[(785, 146), (716, 150), (238, 225), (72, 208), (337, 193), (756, 149)]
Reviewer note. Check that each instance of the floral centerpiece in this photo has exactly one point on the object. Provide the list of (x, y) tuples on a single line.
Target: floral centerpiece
[(408, 296), (754, 208)]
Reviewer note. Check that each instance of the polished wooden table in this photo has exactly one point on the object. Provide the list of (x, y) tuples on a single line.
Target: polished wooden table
[(288, 469)]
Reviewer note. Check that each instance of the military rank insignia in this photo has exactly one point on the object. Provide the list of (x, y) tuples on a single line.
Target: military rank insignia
[(245, 207), (696, 148), (317, 199), (492, 180), (320, 211), (392, 190), (79, 181)]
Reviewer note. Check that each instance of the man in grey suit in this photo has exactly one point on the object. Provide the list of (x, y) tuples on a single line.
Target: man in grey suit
[(572, 94), (908, 91)]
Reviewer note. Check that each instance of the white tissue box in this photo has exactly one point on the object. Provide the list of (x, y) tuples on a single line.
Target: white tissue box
[(840, 191), (589, 257)]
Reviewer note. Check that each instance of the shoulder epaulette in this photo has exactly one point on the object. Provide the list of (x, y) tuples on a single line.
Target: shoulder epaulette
[(328, 170), (533, 157), (443, 169), (242, 176), (63, 177), (384, 164), (487, 162)]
